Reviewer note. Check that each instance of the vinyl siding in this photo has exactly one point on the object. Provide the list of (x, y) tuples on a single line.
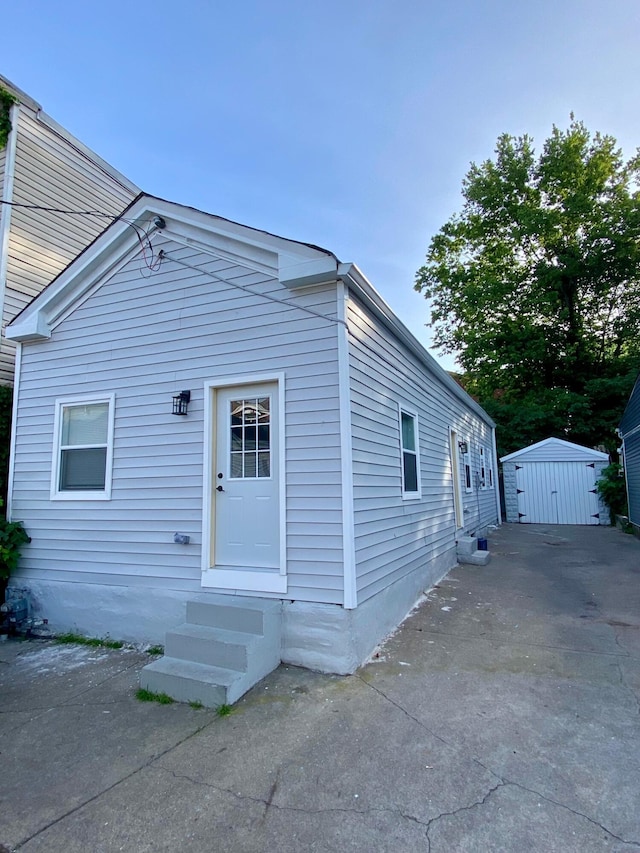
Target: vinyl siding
[(632, 473), (143, 336), (3, 160), (51, 172), (395, 536), (630, 430), (631, 416)]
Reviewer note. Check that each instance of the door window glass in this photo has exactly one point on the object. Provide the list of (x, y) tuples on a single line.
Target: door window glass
[(250, 425)]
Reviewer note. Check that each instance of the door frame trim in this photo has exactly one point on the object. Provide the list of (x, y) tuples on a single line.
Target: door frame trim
[(255, 581), (458, 500)]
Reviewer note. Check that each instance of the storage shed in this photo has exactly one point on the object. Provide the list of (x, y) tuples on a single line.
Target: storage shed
[(315, 482), (629, 431), (554, 482)]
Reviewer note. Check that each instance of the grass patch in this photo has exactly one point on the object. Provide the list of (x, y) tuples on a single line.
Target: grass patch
[(224, 710), (145, 695), (93, 642), (155, 650), (196, 704)]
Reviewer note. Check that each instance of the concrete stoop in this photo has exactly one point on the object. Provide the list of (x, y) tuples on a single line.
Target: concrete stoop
[(227, 645), (467, 552)]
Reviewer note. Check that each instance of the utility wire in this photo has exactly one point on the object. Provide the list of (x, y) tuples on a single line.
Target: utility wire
[(154, 263), (143, 236), (163, 255), (45, 209)]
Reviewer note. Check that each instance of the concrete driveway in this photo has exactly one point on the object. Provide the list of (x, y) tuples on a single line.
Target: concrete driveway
[(503, 716)]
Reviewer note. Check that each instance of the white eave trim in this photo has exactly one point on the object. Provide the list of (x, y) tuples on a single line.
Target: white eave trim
[(580, 451), (38, 319), (294, 264), (357, 281)]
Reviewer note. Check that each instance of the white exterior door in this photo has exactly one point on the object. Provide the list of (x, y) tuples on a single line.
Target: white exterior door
[(557, 493), (246, 477)]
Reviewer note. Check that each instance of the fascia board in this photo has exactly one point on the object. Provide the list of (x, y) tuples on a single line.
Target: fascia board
[(294, 264), (294, 273), (517, 453), (355, 280), (36, 321), (208, 224), (584, 452), (301, 264)]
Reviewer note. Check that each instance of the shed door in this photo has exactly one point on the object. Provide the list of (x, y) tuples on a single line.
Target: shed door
[(557, 493)]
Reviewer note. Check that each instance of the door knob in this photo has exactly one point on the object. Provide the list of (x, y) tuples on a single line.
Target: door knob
[(219, 489)]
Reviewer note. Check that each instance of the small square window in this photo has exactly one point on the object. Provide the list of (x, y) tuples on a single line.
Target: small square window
[(83, 449)]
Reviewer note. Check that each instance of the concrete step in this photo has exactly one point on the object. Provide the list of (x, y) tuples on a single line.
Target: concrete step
[(232, 612), (211, 646), (477, 558), (185, 681), (216, 665)]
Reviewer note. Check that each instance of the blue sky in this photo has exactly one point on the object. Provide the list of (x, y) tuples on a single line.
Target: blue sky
[(345, 124)]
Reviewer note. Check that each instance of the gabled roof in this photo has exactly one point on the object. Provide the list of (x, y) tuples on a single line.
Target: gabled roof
[(555, 450), (293, 263)]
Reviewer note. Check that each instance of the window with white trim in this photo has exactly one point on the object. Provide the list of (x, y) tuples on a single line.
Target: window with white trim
[(466, 465), (486, 468), (82, 451), (410, 454)]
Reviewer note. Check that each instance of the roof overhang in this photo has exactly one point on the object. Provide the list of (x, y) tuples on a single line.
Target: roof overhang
[(294, 264), (358, 283), (573, 452)]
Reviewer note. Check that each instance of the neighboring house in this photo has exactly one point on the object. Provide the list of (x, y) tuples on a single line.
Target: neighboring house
[(326, 464), (44, 166), (554, 482), (629, 431)]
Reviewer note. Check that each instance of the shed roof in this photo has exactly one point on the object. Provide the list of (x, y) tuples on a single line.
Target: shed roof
[(555, 450)]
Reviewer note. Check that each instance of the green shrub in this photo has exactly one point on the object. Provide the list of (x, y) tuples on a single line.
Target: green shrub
[(12, 537), (613, 491)]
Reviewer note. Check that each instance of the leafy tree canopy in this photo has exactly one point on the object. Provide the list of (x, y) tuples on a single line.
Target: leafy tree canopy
[(535, 286)]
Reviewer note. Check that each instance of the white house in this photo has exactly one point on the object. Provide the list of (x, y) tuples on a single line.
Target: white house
[(554, 482), (45, 173), (325, 465)]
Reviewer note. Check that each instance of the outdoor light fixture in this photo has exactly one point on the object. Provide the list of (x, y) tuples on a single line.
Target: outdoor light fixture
[(181, 403), (463, 447)]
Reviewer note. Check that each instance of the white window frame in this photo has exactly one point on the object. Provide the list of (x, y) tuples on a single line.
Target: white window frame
[(485, 473), (467, 473), (482, 471), (405, 410), (90, 495)]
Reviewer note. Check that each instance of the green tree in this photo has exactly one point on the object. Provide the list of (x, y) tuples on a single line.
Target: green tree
[(535, 286)]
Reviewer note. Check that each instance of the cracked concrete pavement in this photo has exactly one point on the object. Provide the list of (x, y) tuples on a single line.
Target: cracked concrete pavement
[(504, 715)]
